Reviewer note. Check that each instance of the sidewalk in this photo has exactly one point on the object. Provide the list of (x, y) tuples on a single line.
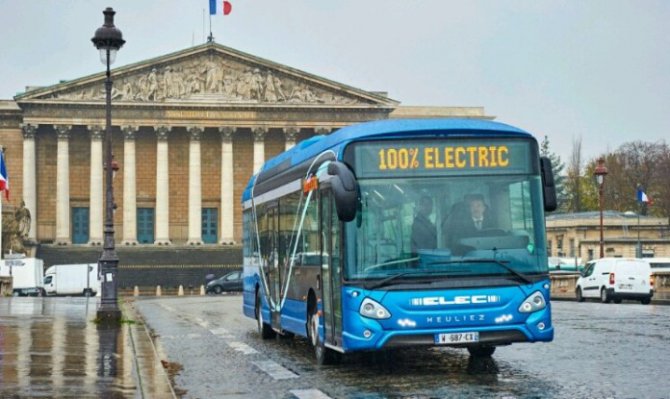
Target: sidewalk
[(51, 347)]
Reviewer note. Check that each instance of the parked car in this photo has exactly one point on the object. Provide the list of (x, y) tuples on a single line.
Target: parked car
[(228, 282), (659, 265), (616, 279)]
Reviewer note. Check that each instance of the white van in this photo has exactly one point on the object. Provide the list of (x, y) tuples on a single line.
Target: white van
[(616, 279), (659, 264)]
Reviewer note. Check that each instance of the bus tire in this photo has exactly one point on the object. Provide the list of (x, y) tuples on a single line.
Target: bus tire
[(265, 331), (324, 356), (481, 350)]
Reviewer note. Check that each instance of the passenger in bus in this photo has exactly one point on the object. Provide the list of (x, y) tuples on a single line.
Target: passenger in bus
[(468, 219), (424, 232)]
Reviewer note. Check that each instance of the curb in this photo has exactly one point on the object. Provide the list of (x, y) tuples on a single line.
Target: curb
[(142, 363)]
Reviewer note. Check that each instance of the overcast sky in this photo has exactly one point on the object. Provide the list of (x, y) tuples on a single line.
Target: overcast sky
[(599, 70)]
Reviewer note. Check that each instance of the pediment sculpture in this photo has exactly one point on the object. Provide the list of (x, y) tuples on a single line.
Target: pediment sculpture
[(209, 79)]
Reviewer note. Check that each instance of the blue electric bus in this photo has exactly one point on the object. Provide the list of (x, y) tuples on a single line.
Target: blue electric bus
[(334, 251)]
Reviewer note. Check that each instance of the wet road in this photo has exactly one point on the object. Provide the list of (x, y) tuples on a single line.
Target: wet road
[(51, 348), (599, 351)]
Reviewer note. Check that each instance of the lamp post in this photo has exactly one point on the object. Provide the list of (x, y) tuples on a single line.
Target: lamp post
[(108, 40), (600, 172)]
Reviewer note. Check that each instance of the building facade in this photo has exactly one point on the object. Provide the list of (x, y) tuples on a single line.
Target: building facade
[(189, 129), (577, 235)]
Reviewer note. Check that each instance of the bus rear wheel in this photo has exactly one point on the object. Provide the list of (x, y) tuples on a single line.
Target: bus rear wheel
[(265, 331), (481, 350), (324, 356)]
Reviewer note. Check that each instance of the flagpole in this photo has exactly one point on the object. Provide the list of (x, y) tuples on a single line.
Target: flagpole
[(638, 250), (2, 254), (210, 38)]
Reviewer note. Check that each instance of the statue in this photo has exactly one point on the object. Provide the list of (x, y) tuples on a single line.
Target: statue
[(23, 219)]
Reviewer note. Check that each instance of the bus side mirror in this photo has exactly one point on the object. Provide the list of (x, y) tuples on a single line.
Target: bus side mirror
[(548, 186), (345, 190)]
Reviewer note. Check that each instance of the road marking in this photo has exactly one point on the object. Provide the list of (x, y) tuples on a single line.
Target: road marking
[(309, 394), (219, 331), (242, 347), (275, 370), (168, 308), (201, 322)]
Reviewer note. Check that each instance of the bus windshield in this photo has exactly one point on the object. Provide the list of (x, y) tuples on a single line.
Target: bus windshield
[(457, 225)]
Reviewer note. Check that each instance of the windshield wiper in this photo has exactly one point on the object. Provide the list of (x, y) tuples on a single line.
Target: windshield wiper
[(503, 264), (387, 280)]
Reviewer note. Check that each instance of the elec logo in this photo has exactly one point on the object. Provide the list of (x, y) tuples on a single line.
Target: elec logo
[(458, 300)]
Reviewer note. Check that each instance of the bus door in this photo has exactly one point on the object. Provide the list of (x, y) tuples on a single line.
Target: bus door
[(273, 270), (331, 271)]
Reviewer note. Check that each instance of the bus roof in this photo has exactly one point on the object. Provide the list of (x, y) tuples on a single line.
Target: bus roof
[(389, 128)]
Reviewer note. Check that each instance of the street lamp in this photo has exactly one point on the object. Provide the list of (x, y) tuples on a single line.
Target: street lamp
[(108, 40), (600, 172)]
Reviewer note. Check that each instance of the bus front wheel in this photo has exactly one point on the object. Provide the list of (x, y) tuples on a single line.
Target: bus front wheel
[(481, 351), (324, 356), (265, 331)]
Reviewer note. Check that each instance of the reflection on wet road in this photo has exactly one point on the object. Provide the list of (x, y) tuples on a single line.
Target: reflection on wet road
[(50, 347)]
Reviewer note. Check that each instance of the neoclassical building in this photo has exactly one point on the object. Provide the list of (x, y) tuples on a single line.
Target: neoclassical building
[(577, 235), (189, 129)]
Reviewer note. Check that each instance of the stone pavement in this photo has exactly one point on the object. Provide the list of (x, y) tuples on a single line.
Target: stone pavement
[(51, 347)]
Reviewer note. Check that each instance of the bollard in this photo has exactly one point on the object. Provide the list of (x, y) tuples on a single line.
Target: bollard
[(181, 290), (202, 290), (136, 291), (158, 290)]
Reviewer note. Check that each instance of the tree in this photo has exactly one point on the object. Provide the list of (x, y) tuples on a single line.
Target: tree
[(573, 181), (557, 167), (632, 165), (637, 164)]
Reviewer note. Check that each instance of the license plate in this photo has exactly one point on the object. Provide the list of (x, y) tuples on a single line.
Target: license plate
[(456, 338), (626, 286)]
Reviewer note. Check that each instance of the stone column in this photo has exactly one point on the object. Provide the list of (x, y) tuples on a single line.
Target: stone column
[(129, 186), (259, 147), (194, 187), (227, 176), (63, 185), (96, 198), (290, 134), (162, 187), (29, 177)]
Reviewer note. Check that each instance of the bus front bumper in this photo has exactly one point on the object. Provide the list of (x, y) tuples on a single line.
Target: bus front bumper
[(369, 335)]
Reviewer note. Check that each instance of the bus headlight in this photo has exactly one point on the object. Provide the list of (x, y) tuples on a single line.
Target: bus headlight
[(373, 310), (533, 303)]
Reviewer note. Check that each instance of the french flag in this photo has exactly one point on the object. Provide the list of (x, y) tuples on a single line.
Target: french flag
[(642, 196), (226, 7), (4, 178)]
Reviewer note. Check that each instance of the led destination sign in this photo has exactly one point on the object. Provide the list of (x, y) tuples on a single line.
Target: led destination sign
[(442, 157)]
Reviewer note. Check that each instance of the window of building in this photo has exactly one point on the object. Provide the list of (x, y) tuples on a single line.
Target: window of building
[(647, 253)]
